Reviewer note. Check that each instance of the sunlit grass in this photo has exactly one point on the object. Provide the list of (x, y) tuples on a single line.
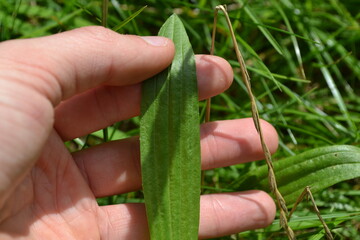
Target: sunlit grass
[(303, 57)]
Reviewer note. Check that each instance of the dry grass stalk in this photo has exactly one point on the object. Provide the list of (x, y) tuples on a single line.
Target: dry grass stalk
[(307, 192), (255, 115)]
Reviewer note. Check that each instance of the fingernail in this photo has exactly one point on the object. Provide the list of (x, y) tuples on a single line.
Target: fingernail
[(156, 41)]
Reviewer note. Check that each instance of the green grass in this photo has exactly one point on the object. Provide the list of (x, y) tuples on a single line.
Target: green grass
[(303, 57)]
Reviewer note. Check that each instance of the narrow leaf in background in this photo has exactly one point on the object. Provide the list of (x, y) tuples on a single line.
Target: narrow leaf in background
[(318, 168), (170, 143)]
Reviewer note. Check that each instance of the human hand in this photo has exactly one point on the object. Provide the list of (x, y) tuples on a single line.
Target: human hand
[(67, 85)]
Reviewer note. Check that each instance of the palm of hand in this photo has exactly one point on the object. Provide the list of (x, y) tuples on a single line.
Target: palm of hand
[(56, 202)]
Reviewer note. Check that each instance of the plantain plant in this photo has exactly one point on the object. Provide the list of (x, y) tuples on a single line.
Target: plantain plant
[(170, 143)]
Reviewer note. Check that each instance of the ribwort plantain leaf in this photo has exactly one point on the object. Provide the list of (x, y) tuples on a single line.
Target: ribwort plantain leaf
[(170, 143), (318, 168)]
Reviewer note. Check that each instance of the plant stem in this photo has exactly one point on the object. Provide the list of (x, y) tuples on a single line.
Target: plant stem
[(208, 101), (307, 192), (105, 6), (256, 119)]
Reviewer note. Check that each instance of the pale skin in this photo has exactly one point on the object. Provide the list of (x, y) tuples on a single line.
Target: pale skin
[(64, 86)]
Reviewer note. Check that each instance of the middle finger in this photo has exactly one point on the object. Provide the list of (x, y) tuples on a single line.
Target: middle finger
[(114, 167)]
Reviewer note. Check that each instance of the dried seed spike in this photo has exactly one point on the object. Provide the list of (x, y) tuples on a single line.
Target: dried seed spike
[(307, 192), (327, 230), (256, 119), (300, 198)]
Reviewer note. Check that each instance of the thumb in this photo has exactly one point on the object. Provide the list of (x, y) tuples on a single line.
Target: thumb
[(36, 74), (64, 64)]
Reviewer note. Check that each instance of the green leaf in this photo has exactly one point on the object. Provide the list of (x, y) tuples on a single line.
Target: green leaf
[(312, 220), (127, 20), (264, 31), (170, 143), (318, 168)]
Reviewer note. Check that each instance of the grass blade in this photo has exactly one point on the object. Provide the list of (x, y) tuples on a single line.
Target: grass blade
[(127, 20), (170, 143), (292, 37), (333, 88), (266, 33)]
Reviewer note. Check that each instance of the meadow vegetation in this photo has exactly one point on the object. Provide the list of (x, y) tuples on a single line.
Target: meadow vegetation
[(303, 58)]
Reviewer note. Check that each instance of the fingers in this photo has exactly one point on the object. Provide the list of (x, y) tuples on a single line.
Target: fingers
[(220, 215), (106, 105), (225, 143), (114, 167), (225, 214), (214, 75), (68, 63), (36, 74)]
